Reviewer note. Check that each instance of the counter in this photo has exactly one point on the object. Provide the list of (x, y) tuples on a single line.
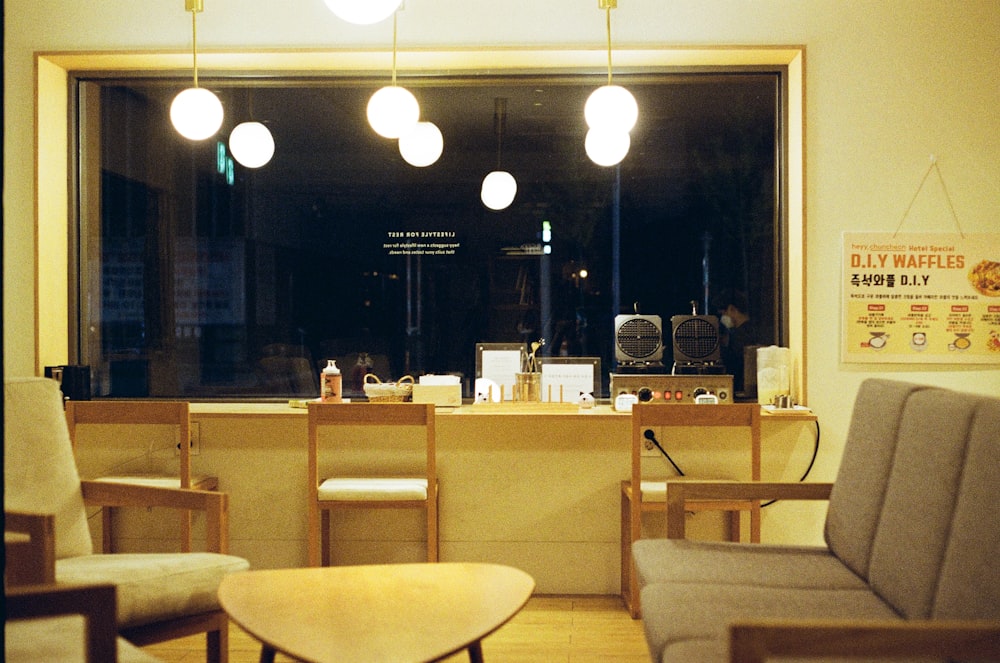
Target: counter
[(536, 487)]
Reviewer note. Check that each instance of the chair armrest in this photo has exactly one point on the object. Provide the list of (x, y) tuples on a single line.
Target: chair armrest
[(215, 505), (29, 548), (680, 492), (97, 603), (755, 642)]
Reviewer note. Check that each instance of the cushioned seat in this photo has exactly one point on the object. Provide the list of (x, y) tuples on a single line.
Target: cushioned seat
[(912, 560), (161, 596), (154, 586), (373, 489)]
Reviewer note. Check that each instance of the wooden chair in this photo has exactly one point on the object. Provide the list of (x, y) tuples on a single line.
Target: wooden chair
[(400, 486), (651, 496), (100, 418), (160, 596)]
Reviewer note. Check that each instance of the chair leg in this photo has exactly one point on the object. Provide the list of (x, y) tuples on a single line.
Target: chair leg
[(629, 583), (324, 537), (217, 645), (186, 531), (432, 530), (735, 520), (107, 531)]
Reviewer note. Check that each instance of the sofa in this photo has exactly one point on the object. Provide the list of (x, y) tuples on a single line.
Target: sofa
[(911, 563)]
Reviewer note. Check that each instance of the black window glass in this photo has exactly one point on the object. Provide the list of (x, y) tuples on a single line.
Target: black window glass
[(203, 278)]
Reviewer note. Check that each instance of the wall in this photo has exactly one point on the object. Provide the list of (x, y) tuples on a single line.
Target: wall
[(888, 83)]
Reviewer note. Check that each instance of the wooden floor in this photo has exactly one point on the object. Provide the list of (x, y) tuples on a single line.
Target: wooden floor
[(577, 629)]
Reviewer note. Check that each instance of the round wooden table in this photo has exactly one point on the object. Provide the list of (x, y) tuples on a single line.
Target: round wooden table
[(393, 612)]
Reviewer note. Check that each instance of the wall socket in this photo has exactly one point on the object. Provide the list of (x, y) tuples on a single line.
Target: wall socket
[(648, 449), (195, 440)]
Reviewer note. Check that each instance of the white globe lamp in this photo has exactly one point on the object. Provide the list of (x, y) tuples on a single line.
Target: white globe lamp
[(196, 113), (607, 147), (363, 12), (499, 189), (611, 107), (422, 145), (251, 144), (393, 111)]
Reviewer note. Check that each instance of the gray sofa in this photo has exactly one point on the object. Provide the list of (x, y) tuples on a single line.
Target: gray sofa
[(912, 533)]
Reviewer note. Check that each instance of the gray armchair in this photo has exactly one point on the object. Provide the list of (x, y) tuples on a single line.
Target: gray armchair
[(160, 596)]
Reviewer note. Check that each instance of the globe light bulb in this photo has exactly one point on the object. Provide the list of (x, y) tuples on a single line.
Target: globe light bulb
[(499, 189), (422, 145), (196, 113), (611, 107), (363, 12), (251, 144), (393, 111), (607, 147)]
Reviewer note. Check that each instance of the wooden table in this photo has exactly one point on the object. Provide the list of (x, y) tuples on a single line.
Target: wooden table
[(359, 614)]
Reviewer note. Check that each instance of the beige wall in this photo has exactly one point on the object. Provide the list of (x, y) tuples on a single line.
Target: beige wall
[(888, 83)]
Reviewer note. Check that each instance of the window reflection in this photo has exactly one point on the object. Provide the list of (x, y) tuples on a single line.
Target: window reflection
[(217, 280)]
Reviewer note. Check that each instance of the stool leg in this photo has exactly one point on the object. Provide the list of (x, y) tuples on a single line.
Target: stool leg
[(476, 652)]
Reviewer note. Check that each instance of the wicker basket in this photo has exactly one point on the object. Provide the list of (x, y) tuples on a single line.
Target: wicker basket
[(388, 392)]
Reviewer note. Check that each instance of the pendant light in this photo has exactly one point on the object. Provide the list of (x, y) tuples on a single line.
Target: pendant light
[(196, 113), (363, 12), (499, 186), (393, 110), (422, 145), (611, 112), (251, 142)]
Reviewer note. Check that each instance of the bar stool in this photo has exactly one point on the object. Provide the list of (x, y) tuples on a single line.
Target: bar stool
[(404, 483), (651, 496), (103, 421)]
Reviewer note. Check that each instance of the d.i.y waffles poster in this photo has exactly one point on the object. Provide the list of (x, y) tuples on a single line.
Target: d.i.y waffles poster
[(921, 298)]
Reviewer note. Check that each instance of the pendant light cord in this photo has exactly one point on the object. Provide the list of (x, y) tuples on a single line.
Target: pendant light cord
[(194, 44), (607, 11), (394, 15)]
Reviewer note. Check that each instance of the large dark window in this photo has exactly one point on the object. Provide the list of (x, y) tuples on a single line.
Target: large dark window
[(202, 278)]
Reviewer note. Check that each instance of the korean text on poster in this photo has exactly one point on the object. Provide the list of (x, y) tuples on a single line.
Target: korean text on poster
[(921, 298)]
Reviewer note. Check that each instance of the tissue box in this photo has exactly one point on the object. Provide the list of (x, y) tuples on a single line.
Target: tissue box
[(442, 395)]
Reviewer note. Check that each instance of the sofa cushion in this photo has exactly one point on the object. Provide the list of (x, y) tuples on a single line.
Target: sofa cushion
[(920, 498), (39, 471), (858, 492), (152, 587), (675, 612), (668, 560), (969, 581)]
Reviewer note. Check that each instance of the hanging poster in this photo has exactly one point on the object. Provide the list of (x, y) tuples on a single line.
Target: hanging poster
[(921, 298)]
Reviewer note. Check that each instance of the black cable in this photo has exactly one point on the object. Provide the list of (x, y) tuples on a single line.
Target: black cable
[(808, 469), (651, 436)]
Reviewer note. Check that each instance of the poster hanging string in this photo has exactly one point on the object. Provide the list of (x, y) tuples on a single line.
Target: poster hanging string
[(947, 196)]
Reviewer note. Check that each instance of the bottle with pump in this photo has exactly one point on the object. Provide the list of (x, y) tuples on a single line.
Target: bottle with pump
[(331, 383)]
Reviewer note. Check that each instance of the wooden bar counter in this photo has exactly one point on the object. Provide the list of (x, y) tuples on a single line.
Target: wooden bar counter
[(536, 488)]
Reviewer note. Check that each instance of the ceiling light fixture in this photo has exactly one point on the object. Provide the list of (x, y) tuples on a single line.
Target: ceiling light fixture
[(422, 145), (499, 186), (611, 112), (363, 12), (196, 113), (393, 110), (251, 142)]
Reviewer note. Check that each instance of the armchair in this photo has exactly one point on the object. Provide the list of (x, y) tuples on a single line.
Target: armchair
[(160, 596)]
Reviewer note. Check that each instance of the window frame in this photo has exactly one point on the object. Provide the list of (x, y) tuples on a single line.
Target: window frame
[(56, 73)]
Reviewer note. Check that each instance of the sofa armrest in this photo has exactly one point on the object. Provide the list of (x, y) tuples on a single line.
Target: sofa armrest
[(681, 492), (756, 642), (29, 548), (97, 603), (215, 505)]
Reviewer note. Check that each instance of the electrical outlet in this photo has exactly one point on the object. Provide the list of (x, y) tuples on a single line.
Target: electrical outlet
[(195, 440), (648, 449)]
